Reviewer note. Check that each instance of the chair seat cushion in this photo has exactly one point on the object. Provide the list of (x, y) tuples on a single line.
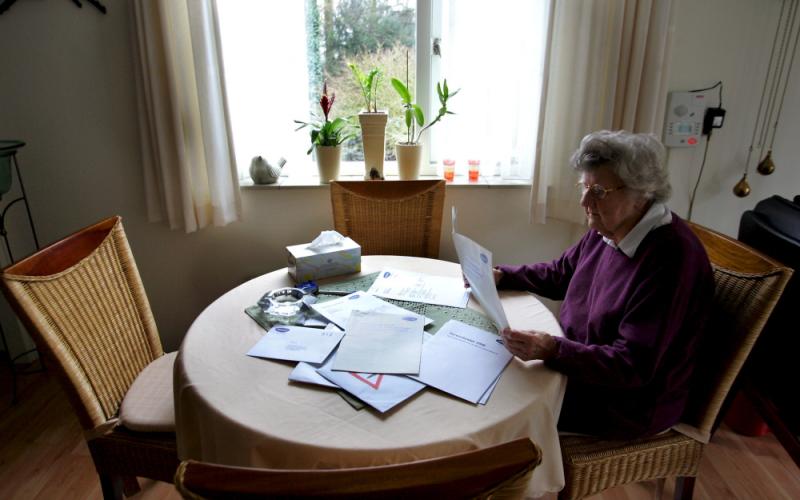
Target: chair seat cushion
[(148, 405)]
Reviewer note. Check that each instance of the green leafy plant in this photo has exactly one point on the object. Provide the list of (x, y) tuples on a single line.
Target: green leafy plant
[(369, 86), (415, 118), (327, 132)]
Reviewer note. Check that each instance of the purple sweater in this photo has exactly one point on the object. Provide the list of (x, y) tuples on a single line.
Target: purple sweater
[(631, 327)]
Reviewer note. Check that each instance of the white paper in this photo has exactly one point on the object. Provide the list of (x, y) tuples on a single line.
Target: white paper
[(417, 287), (307, 373), (381, 343), (338, 310), (381, 391), (463, 361), (297, 343), (476, 264)]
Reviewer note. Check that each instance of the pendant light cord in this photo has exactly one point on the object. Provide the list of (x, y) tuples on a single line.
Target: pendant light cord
[(764, 89), (786, 78)]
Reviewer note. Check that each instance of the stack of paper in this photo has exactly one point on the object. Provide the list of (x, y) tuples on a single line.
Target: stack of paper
[(463, 361)]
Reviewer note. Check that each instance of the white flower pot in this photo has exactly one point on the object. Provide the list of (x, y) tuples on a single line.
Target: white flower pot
[(328, 161), (373, 137), (408, 160)]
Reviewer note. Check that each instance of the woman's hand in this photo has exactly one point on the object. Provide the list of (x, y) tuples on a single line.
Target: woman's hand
[(498, 275), (529, 344)]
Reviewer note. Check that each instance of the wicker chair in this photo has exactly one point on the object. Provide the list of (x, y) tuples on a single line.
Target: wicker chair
[(390, 217), (83, 302), (474, 474), (747, 287)]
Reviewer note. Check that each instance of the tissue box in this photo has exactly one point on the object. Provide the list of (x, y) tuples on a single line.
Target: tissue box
[(333, 260)]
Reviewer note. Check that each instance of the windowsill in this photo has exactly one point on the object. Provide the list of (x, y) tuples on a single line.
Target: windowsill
[(460, 181)]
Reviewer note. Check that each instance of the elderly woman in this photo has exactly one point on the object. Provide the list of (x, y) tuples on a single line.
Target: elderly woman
[(636, 290)]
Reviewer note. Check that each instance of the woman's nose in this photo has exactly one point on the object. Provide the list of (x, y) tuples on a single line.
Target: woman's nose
[(586, 198)]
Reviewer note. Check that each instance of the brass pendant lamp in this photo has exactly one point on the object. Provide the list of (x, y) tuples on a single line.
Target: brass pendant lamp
[(776, 78)]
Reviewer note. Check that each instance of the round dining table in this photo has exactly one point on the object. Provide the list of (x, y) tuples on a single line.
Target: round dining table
[(234, 409)]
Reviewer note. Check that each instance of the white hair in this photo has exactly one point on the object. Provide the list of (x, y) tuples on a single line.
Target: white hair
[(637, 159)]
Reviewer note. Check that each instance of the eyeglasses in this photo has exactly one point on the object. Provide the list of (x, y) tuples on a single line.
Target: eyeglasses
[(597, 191)]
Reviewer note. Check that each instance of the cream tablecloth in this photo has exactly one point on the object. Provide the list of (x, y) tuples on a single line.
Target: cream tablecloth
[(237, 410)]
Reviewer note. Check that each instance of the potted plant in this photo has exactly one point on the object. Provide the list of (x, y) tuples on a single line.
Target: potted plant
[(326, 138), (373, 122), (409, 153)]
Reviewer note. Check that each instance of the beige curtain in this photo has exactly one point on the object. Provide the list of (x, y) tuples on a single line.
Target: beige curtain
[(607, 69), (189, 166)]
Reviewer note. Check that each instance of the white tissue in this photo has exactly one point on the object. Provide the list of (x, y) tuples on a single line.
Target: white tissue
[(326, 239)]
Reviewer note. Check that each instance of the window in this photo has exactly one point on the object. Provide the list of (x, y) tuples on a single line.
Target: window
[(278, 53)]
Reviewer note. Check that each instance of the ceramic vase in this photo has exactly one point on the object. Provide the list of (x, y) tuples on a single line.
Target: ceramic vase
[(408, 160), (373, 137), (328, 160)]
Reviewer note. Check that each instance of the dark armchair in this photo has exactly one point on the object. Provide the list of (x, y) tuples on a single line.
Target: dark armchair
[(773, 227)]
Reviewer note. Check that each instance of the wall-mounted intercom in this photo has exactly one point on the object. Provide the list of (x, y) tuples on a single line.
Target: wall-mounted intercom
[(685, 114)]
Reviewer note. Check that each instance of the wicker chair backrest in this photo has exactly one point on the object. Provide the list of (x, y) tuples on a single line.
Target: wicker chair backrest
[(83, 302), (747, 287), (390, 217)]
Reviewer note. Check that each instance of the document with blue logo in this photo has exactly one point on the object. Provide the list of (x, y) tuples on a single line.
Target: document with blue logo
[(476, 264), (377, 342), (297, 343), (417, 287), (463, 361), (338, 310)]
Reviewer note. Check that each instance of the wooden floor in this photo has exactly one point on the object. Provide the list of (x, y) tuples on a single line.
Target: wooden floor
[(43, 455)]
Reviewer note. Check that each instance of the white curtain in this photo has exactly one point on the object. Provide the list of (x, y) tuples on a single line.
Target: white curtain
[(607, 69), (189, 166)]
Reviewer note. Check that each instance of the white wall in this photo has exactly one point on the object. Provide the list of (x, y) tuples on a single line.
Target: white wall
[(731, 41), (66, 88)]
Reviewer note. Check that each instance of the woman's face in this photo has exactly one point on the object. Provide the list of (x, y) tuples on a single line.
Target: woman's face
[(618, 211)]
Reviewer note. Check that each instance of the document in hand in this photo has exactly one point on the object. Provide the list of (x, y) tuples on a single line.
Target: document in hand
[(463, 360), (338, 310), (476, 264), (416, 287), (382, 392), (297, 343), (380, 343)]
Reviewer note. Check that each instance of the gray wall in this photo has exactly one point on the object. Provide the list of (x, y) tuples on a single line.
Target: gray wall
[(66, 88)]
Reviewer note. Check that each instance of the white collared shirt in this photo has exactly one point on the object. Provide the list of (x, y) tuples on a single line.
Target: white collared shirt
[(656, 216)]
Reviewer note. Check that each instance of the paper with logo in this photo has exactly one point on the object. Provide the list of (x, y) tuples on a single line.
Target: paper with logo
[(417, 287), (338, 310), (463, 361), (476, 264), (379, 390), (380, 343), (297, 343)]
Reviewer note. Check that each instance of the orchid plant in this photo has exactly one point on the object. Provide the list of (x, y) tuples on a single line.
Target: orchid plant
[(327, 132)]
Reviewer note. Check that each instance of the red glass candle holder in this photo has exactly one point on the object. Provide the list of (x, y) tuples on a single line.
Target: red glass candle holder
[(474, 169)]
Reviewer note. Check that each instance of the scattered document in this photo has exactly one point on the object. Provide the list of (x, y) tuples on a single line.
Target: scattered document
[(381, 343), (463, 361), (338, 310), (307, 373), (476, 264), (297, 343), (381, 391), (417, 287)]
